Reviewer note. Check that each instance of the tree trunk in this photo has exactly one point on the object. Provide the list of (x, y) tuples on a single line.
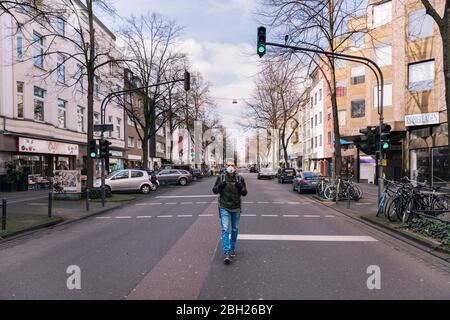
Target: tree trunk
[(337, 135), (445, 34), (145, 150), (90, 97)]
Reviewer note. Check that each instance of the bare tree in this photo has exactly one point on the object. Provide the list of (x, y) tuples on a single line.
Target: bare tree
[(33, 10), (323, 25), (276, 101), (441, 15)]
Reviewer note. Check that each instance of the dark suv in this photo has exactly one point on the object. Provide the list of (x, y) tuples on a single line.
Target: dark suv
[(286, 175)]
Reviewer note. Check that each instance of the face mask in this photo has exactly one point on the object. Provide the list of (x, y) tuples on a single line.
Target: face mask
[(230, 169)]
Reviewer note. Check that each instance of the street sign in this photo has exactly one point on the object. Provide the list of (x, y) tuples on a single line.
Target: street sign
[(384, 162), (103, 127)]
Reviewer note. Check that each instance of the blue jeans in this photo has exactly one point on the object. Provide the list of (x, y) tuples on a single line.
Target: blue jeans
[(229, 222)]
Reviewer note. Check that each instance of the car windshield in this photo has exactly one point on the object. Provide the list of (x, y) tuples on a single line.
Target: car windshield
[(309, 175), (109, 176)]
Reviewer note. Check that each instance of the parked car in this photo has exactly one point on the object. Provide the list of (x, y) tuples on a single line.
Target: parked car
[(153, 179), (127, 180), (306, 181), (254, 168), (173, 176), (286, 175), (197, 173), (266, 173)]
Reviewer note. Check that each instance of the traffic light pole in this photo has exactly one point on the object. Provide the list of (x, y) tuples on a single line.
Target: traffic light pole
[(380, 83), (113, 94)]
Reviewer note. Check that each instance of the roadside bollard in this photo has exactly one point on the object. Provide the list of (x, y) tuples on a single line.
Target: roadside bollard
[(348, 199), (87, 199), (3, 214), (50, 204)]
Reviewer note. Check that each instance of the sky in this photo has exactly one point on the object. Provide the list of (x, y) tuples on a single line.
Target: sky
[(220, 38)]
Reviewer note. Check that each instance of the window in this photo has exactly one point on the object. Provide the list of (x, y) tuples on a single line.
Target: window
[(315, 98), (19, 99), (329, 115), (383, 55), (420, 25), (122, 175), (312, 123), (382, 14), (315, 141), (19, 44), (79, 77), (358, 108), (139, 143), (96, 118), (421, 76), (130, 142), (137, 174), (312, 143), (320, 140), (80, 119), (329, 137), (118, 128), (39, 104), (320, 117), (129, 97), (95, 86), (130, 121), (315, 120), (60, 26), (61, 113), (78, 39), (110, 119), (38, 43), (357, 41), (320, 94), (61, 69), (312, 101), (342, 116), (341, 88), (387, 95), (357, 75)]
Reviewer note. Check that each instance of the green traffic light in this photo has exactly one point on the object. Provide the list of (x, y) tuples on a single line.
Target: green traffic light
[(93, 155), (386, 145), (261, 49)]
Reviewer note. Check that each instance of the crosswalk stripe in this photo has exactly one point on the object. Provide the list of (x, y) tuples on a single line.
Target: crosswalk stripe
[(306, 238)]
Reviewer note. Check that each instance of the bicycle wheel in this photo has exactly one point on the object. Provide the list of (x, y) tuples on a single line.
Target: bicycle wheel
[(330, 192), (440, 203), (391, 211)]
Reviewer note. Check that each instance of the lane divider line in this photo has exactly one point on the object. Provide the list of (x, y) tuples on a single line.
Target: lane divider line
[(306, 238)]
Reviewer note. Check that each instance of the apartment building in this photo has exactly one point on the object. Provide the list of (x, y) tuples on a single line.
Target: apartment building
[(43, 98), (405, 43)]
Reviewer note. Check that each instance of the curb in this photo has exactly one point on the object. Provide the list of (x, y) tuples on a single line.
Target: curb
[(34, 228), (395, 234), (423, 242)]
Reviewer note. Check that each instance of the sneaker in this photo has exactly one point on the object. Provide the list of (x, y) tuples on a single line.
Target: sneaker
[(227, 259), (233, 253)]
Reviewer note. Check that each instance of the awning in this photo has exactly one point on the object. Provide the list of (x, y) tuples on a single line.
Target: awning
[(344, 142)]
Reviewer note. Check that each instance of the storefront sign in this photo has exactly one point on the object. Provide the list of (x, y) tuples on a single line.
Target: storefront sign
[(117, 154), (70, 180), (421, 119), (46, 147), (133, 157)]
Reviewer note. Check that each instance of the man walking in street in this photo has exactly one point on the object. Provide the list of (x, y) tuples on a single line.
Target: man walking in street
[(230, 186)]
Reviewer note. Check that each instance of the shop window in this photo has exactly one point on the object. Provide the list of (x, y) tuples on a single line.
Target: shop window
[(39, 104), (421, 76), (61, 113), (357, 75), (382, 14), (420, 165), (341, 88), (383, 55), (420, 25), (387, 96), (420, 133), (20, 99), (358, 108), (441, 169)]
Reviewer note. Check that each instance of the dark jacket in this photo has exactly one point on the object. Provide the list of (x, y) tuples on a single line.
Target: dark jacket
[(230, 188)]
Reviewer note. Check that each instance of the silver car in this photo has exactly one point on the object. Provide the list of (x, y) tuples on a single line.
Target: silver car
[(127, 180), (174, 176)]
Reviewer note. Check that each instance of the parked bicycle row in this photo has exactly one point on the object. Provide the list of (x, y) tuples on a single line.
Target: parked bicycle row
[(403, 200)]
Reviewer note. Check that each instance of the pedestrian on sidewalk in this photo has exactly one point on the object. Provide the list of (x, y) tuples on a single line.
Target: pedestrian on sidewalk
[(230, 186)]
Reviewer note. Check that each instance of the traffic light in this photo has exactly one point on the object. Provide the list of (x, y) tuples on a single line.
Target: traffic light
[(368, 141), (385, 138), (261, 47), (187, 81), (92, 149), (104, 148)]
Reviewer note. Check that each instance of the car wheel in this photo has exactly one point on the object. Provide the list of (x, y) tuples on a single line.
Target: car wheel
[(154, 187), (145, 189), (108, 188), (183, 181)]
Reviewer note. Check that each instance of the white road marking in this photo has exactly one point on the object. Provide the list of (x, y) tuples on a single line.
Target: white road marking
[(206, 215), (311, 216), (290, 215), (166, 216), (263, 202), (186, 203), (154, 203), (123, 217), (191, 196), (247, 202), (38, 204), (306, 238), (293, 202), (278, 202), (248, 215), (143, 217), (184, 215), (330, 216), (142, 204), (170, 203), (269, 215), (102, 217), (201, 202)]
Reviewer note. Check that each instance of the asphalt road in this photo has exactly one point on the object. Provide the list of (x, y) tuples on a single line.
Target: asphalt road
[(167, 247)]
